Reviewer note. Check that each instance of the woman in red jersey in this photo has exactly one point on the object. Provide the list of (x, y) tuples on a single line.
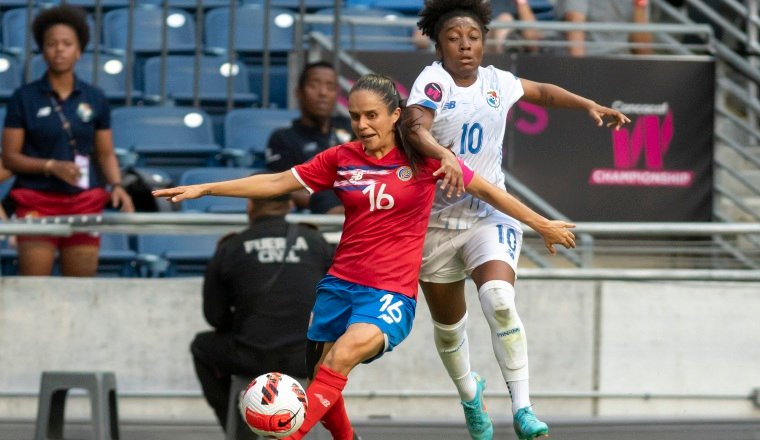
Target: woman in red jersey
[(365, 304)]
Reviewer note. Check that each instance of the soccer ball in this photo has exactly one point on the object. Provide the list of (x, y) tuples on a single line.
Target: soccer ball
[(274, 405)]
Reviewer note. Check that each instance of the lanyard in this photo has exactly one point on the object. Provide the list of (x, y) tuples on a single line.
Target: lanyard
[(65, 124)]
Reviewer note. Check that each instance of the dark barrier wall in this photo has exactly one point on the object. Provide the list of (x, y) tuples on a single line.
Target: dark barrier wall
[(657, 168)]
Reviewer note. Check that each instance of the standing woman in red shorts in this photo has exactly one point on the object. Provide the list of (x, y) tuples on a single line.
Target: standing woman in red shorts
[(57, 141)]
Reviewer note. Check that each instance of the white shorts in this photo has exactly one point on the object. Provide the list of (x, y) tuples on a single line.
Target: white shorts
[(451, 255)]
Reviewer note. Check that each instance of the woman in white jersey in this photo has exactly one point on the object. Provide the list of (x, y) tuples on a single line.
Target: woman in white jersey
[(456, 105)]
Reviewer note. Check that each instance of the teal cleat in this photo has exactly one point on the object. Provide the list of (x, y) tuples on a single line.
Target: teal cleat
[(479, 424), (527, 426)]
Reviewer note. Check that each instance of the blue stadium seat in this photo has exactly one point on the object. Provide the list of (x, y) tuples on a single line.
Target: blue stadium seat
[(186, 4), (249, 129), (175, 255), (112, 74), (369, 37), (106, 4), (211, 203), (213, 75), (14, 30), (405, 6), (10, 76), (278, 83), (249, 25), (311, 5), (116, 258), (146, 38), (171, 138)]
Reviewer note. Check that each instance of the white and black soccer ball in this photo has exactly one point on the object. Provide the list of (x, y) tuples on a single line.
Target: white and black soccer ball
[(274, 405)]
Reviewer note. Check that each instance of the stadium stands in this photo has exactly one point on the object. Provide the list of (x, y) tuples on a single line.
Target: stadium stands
[(249, 30), (147, 30), (214, 73), (174, 255), (371, 37), (249, 129), (116, 257), (211, 203), (112, 74), (10, 76), (171, 138)]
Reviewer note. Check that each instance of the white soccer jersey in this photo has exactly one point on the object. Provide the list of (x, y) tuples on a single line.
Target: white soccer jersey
[(471, 120)]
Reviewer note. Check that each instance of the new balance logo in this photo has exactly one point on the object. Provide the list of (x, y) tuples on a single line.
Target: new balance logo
[(449, 105)]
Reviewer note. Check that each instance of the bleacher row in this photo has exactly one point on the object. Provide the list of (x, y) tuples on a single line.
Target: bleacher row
[(176, 145), (182, 37)]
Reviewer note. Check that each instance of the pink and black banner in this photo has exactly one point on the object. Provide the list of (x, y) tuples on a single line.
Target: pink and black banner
[(657, 168)]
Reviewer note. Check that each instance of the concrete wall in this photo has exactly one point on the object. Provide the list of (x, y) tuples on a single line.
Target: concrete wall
[(623, 338)]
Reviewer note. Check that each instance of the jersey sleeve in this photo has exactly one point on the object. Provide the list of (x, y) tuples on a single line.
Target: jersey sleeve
[(429, 90), (320, 172), (512, 86)]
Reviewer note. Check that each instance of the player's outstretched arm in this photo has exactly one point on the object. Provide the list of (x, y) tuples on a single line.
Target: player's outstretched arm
[(552, 231), (260, 186), (415, 128), (550, 95)]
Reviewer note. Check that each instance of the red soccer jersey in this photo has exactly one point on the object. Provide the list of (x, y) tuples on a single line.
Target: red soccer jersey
[(387, 212)]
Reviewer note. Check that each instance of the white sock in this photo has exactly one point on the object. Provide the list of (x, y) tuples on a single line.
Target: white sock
[(520, 392), (454, 351)]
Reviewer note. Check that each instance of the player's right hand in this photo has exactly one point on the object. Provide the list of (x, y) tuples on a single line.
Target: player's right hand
[(180, 193)]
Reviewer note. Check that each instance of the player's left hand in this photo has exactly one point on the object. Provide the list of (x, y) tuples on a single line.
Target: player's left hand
[(180, 193), (613, 118), (452, 175), (557, 232)]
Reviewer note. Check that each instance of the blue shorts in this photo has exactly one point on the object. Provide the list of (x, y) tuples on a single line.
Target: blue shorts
[(341, 303)]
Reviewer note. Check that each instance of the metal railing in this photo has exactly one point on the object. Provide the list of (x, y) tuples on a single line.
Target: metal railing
[(641, 251)]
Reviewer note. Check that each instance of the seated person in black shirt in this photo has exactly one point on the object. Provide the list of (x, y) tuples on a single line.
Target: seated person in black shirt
[(257, 296), (315, 131)]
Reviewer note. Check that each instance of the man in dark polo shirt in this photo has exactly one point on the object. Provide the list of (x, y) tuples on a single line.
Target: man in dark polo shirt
[(315, 131), (258, 292)]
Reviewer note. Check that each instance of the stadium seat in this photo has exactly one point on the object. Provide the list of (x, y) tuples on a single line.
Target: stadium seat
[(186, 4), (211, 203), (106, 4), (311, 5), (10, 76), (405, 6), (212, 80), (162, 255), (116, 258), (249, 129), (369, 37), (278, 83), (146, 36), (249, 34), (112, 74), (170, 138)]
